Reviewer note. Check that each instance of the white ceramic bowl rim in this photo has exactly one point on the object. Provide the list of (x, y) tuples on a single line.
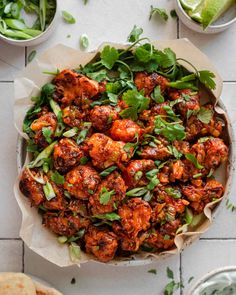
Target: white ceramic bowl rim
[(34, 38), (211, 26), (211, 274)]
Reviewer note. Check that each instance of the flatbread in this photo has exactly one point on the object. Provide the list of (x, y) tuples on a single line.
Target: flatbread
[(43, 290), (15, 284)]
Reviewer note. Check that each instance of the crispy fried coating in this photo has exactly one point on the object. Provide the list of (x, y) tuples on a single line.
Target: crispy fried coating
[(47, 120), (102, 117), (105, 152), (102, 243), (82, 181), (135, 216), (134, 175), (73, 116), (70, 85), (112, 183), (125, 130), (64, 225), (196, 128), (148, 82), (30, 187), (67, 154)]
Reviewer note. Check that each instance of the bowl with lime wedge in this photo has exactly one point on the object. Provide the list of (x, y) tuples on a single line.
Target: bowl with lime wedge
[(207, 16), (27, 22)]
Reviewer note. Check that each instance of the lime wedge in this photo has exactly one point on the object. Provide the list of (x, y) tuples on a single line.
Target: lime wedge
[(190, 4), (213, 9)]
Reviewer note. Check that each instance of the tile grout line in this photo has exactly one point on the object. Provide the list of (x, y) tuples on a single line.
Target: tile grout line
[(177, 28), (180, 274), (10, 239), (23, 257)]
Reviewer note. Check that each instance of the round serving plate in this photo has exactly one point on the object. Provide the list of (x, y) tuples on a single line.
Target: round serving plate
[(229, 138)]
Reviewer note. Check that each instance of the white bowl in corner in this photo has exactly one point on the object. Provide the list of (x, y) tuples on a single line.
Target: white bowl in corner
[(38, 39), (223, 23)]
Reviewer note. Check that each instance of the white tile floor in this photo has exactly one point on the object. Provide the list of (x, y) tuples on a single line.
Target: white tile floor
[(217, 246)]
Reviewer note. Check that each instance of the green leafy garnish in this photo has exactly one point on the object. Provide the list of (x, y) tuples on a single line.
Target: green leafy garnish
[(105, 196), (157, 96), (175, 193), (173, 150), (194, 160), (160, 11), (206, 78), (134, 34), (170, 273), (47, 133), (136, 192), (57, 178), (171, 131), (98, 76), (109, 56), (108, 216), (205, 115), (173, 13), (108, 171), (68, 17), (136, 102), (83, 160), (84, 41), (48, 191), (83, 133)]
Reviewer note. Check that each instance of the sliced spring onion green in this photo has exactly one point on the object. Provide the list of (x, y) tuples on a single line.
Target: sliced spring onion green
[(48, 191), (15, 10), (62, 239), (75, 252), (68, 17), (84, 41), (108, 171), (15, 24), (42, 13), (70, 133), (32, 32), (31, 56), (16, 34), (43, 155)]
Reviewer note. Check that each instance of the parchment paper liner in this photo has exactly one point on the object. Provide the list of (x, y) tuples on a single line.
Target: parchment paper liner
[(28, 84)]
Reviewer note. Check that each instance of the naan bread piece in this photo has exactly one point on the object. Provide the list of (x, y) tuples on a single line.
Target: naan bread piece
[(15, 284), (43, 290)]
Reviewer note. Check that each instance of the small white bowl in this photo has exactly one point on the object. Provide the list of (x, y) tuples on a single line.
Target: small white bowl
[(36, 40), (226, 276), (223, 23)]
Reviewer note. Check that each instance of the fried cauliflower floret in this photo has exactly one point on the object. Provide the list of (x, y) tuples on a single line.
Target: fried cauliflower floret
[(158, 152), (64, 226), (82, 181), (73, 116), (47, 120), (102, 117), (102, 243), (159, 241), (66, 155), (70, 85), (113, 184), (135, 216), (78, 207), (30, 188), (58, 202), (134, 174), (148, 82), (125, 130), (200, 196), (191, 101), (210, 153), (105, 152), (128, 243), (196, 128)]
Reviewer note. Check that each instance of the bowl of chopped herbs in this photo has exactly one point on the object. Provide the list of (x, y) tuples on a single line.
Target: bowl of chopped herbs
[(27, 22)]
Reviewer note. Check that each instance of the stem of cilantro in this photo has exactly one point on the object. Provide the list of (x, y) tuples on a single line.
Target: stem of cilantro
[(136, 42), (125, 64), (195, 69)]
